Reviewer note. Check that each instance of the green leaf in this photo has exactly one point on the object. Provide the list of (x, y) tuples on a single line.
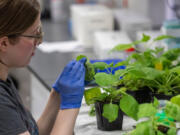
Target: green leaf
[(120, 72), (146, 110), (92, 111), (137, 73), (120, 64), (172, 131), (90, 72), (103, 79), (100, 65), (176, 69), (102, 97), (119, 92), (160, 133), (151, 73), (144, 128), (129, 105), (90, 94), (172, 110), (122, 47), (176, 100), (172, 54), (111, 64), (145, 38), (110, 111), (161, 37), (156, 102), (80, 57)]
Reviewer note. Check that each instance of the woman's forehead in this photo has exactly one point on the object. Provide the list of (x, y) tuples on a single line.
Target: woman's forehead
[(36, 25)]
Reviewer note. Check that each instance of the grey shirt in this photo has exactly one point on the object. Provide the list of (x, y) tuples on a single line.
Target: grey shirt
[(14, 118)]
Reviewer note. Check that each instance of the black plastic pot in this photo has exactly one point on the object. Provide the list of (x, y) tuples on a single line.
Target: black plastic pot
[(162, 96), (103, 123), (163, 128), (144, 95)]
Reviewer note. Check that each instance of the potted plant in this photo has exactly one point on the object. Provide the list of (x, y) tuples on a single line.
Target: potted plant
[(159, 120), (153, 82), (152, 70), (105, 96), (155, 71)]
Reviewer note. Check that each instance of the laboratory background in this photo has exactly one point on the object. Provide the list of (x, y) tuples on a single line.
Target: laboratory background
[(92, 28)]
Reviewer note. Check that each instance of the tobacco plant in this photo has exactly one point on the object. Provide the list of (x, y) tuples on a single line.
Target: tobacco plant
[(160, 120), (156, 69), (106, 90)]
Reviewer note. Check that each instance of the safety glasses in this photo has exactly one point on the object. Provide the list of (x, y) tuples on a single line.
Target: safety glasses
[(38, 37)]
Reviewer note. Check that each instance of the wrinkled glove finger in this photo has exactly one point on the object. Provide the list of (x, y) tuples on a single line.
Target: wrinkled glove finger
[(81, 73), (83, 60), (75, 69), (69, 67)]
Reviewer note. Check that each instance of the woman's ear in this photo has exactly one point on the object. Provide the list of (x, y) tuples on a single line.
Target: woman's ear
[(4, 41)]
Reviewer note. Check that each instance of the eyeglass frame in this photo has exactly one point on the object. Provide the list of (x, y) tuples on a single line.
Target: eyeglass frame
[(38, 37)]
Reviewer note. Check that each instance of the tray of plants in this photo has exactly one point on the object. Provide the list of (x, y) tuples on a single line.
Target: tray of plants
[(152, 74)]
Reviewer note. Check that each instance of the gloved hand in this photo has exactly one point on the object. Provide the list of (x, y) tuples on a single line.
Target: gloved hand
[(70, 84)]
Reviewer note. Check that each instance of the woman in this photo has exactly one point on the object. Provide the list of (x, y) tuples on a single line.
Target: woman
[(20, 34)]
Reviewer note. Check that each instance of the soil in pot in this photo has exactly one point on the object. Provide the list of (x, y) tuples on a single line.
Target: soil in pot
[(162, 96), (163, 128), (103, 123), (144, 95)]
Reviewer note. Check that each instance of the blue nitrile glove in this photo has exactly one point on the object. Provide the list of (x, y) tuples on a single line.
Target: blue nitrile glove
[(70, 84)]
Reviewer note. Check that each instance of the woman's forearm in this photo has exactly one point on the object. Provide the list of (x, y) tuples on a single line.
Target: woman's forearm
[(48, 117), (65, 122)]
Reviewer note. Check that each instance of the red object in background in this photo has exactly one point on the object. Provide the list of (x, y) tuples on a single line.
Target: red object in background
[(125, 3), (80, 1), (130, 50)]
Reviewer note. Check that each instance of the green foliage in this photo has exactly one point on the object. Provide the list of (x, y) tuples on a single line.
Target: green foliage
[(151, 68), (176, 100), (161, 37), (122, 47), (156, 103), (100, 65), (92, 111), (172, 131), (143, 128), (176, 70), (90, 94), (172, 54), (158, 117), (172, 110), (90, 71), (158, 74), (129, 105), (110, 111), (103, 79), (156, 69), (146, 110), (80, 57), (136, 77)]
